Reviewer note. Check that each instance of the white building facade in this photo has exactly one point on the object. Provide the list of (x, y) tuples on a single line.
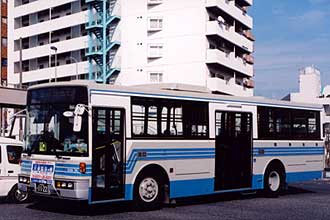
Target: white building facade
[(199, 42)]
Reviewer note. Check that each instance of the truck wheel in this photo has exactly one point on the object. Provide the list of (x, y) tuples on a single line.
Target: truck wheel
[(148, 193), (18, 196)]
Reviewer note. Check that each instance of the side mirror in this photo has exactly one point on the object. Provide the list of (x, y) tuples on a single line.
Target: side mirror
[(77, 122), (79, 110)]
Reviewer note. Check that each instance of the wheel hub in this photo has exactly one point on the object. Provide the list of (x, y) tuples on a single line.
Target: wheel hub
[(20, 196), (148, 189), (274, 181)]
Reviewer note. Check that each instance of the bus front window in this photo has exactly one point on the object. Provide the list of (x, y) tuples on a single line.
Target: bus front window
[(48, 131)]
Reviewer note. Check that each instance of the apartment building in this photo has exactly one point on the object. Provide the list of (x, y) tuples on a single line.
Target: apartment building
[(199, 42), (3, 34)]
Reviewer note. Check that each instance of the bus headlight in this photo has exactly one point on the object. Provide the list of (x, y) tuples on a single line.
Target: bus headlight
[(64, 185)]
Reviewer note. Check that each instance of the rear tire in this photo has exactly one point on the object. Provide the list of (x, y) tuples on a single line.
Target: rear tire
[(148, 193), (17, 196), (274, 181)]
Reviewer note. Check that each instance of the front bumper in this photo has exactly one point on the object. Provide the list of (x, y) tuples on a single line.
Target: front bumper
[(80, 191)]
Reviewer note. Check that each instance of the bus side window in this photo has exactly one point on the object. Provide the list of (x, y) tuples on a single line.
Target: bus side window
[(138, 116)]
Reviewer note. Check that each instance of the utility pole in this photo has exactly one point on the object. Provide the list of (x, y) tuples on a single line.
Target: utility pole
[(20, 132), (50, 52), (20, 63)]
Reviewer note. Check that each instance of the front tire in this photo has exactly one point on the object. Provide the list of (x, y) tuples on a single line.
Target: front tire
[(148, 193), (18, 196), (274, 181)]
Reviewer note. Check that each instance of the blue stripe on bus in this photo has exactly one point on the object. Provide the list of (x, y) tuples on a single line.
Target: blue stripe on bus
[(73, 174), (168, 154), (288, 151), (288, 148), (60, 169), (185, 188), (286, 155), (303, 176)]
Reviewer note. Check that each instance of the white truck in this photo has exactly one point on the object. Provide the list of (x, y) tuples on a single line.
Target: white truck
[(10, 158)]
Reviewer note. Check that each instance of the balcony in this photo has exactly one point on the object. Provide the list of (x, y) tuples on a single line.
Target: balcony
[(63, 46), (229, 60), (62, 71), (230, 8), (39, 5), (51, 25), (228, 87), (218, 29)]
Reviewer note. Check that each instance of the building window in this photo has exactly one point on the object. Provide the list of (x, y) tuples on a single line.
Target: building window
[(4, 20), (155, 24), (4, 62), (156, 77), (155, 50), (4, 42)]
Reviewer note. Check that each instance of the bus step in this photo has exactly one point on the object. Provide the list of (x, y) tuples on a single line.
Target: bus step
[(249, 193)]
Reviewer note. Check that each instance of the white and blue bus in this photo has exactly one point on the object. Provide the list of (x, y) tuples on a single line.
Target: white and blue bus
[(103, 143)]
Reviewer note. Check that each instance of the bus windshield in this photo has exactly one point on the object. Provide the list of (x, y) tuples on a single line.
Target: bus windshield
[(48, 132)]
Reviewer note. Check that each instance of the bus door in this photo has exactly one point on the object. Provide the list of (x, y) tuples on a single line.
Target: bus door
[(233, 163), (108, 154)]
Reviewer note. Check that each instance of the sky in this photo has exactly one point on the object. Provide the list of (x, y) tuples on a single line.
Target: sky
[(291, 34)]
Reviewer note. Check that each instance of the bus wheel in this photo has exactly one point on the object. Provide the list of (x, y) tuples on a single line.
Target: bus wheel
[(274, 181), (148, 193), (18, 196)]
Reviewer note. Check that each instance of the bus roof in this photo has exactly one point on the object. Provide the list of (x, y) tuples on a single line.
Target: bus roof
[(180, 91)]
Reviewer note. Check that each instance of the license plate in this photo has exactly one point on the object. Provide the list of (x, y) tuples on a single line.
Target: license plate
[(42, 188)]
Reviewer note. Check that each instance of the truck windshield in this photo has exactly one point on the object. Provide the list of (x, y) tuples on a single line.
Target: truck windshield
[(48, 132)]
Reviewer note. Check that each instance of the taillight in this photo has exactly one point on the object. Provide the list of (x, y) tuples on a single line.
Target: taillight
[(82, 168)]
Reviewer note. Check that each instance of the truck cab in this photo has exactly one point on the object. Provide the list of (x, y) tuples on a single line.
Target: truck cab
[(10, 158)]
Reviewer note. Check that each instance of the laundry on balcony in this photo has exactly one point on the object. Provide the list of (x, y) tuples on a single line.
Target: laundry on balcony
[(248, 58), (249, 83), (248, 34)]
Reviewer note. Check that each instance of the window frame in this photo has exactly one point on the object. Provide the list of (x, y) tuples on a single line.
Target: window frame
[(185, 120), (17, 160), (270, 116), (160, 23)]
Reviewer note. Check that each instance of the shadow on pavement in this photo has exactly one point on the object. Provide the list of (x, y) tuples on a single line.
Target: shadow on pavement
[(83, 209), (79, 208)]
